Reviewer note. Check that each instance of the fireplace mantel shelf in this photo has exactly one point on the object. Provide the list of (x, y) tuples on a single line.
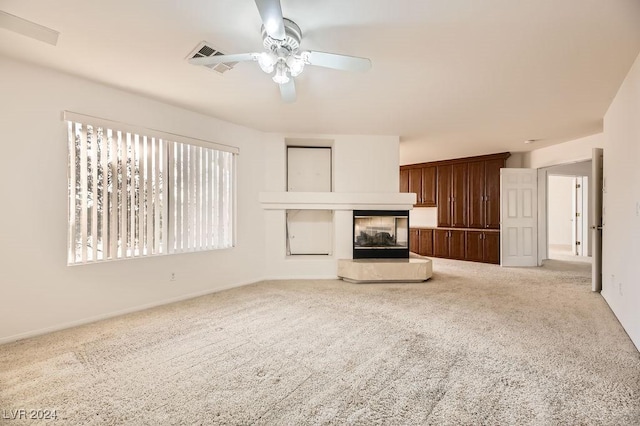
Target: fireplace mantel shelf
[(337, 200)]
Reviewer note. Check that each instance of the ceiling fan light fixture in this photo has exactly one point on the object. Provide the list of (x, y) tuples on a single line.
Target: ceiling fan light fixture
[(282, 58), (281, 76), (295, 64), (267, 60)]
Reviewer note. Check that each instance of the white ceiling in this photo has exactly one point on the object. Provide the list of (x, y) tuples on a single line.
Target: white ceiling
[(483, 75)]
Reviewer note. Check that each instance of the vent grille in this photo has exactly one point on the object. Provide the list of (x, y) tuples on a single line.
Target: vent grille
[(204, 49)]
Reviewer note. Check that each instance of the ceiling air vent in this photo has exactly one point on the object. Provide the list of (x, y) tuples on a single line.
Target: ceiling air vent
[(205, 49)]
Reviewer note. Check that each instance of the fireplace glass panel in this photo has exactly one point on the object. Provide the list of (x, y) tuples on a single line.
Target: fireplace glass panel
[(381, 232)]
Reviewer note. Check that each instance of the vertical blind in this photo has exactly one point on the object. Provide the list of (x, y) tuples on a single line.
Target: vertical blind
[(140, 192)]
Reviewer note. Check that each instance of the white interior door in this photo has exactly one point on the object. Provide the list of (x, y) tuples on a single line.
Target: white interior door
[(518, 217), (309, 232), (308, 169), (595, 216)]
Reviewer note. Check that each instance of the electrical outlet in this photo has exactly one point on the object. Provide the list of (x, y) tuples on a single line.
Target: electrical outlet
[(620, 288), (637, 208), (173, 276)]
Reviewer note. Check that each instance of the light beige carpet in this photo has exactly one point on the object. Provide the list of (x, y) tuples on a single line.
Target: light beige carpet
[(477, 344)]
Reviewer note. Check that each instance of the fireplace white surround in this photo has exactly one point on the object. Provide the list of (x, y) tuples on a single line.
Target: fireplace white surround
[(365, 176), (337, 200)]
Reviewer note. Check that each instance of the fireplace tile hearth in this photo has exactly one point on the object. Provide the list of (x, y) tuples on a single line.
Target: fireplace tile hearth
[(410, 270)]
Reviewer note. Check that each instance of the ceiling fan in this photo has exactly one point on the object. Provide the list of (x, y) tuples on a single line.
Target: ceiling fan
[(282, 57)]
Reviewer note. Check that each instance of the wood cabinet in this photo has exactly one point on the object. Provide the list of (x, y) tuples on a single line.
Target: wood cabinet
[(449, 243), (440, 243), (457, 244), (422, 182), (404, 180), (415, 184), (476, 194), (492, 247), (421, 241), (426, 242), (453, 195), (414, 240), (444, 195), (492, 192), (466, 192), (484, 193), (459, 194), (429, 179), (483, 246)]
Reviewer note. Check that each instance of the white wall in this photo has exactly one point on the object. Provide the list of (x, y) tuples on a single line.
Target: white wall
[(360, 164), (39, 291), (568, 152), (621, 234), (560, 193), (426, 217), (516, 160)]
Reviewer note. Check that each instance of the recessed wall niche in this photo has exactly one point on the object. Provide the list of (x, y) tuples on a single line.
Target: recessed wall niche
[(309, 169)]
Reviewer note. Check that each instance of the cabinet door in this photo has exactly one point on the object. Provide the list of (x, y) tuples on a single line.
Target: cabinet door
[(404, 180), (414, 240), (474, 248), (492, 193), (459, 195), (492, 247), (444, 195), (415, 184), (429, 186), (476, 194), (426, 242), (440, 243), (457, 244)]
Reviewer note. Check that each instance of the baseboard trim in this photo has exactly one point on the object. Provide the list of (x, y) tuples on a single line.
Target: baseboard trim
[(89, 320)]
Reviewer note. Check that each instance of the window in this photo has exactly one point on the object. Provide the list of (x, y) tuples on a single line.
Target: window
[(139, 192)]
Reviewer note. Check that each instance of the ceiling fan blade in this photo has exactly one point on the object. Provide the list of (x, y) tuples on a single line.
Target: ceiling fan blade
[(288, 91), (338, 62), (271, 14), (218, 59)]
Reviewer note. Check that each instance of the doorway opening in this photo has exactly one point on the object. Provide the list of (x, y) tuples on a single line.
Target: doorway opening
[(567, 212), (567, 216), (592, 206)]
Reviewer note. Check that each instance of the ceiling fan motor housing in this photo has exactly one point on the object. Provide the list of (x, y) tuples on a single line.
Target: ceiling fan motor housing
[(291, 41)]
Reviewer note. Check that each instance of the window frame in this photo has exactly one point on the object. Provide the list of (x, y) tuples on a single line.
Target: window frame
[(222, 165)]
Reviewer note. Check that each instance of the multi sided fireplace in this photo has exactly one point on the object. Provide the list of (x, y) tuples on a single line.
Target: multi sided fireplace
[(380, 234)]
